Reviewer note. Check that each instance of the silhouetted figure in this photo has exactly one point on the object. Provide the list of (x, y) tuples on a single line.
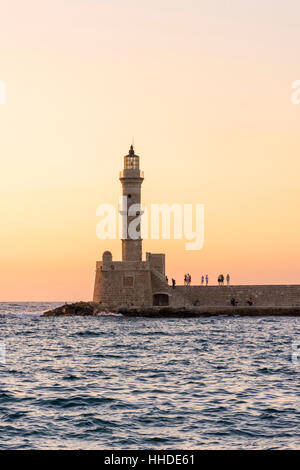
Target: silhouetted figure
[(185, 279), (221, 280), (228, 279), (206, 279), (202, 280), (167, 279), (173, 283), (233, 302)]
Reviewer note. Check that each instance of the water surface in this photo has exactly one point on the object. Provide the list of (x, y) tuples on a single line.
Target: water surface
[(134, 383)]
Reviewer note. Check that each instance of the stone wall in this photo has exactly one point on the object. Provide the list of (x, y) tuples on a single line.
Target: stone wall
[(157, 261), (116, 288), (120, 283), (263, 295)]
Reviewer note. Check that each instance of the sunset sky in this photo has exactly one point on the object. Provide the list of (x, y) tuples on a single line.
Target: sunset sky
[(205, 89)]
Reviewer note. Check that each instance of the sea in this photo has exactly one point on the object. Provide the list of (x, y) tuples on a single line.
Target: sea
[(111, 382)]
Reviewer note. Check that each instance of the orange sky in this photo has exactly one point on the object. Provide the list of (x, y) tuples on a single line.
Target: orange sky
[(206, 91)]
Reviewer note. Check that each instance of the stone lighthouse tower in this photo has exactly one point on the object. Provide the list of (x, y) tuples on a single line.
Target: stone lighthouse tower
[(131, 179), (132, 281)]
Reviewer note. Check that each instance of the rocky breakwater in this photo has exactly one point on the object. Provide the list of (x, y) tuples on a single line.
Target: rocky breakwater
[(96, 309), (83, 309)]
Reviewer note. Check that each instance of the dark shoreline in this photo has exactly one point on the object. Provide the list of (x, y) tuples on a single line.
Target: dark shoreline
[(96, 309)]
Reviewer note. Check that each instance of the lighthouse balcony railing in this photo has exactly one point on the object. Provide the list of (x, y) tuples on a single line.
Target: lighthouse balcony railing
[(131, 173)]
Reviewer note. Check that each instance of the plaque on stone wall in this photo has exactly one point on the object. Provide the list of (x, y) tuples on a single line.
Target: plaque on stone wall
[(128, 281)]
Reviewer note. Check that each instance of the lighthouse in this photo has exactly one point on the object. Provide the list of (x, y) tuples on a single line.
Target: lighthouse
[(131, 178), (131, 281)]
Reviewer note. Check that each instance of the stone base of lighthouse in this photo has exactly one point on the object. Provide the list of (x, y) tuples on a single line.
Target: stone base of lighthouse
[(132, 283)]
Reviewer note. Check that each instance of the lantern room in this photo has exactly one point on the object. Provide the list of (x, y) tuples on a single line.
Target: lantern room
[(131, 161)]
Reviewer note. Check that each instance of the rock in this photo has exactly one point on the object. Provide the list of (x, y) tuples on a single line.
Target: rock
[(78, 309)]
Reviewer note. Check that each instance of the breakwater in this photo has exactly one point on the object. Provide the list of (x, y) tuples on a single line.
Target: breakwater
[(96, 309)]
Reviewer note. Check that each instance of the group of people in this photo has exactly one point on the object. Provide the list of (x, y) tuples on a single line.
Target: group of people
[(188, 279), (206, 280), (173, 282), (221, 279)]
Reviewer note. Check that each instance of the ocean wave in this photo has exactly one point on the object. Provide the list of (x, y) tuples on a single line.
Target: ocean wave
[(199, 383)]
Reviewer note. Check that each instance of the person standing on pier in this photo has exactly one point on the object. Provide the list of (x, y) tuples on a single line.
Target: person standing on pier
[(228, 279)]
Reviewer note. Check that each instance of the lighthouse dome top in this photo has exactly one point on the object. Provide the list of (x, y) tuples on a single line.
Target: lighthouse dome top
[(131, 150)]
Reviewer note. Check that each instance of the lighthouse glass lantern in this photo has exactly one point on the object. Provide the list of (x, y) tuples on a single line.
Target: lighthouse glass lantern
[(131, 161)]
